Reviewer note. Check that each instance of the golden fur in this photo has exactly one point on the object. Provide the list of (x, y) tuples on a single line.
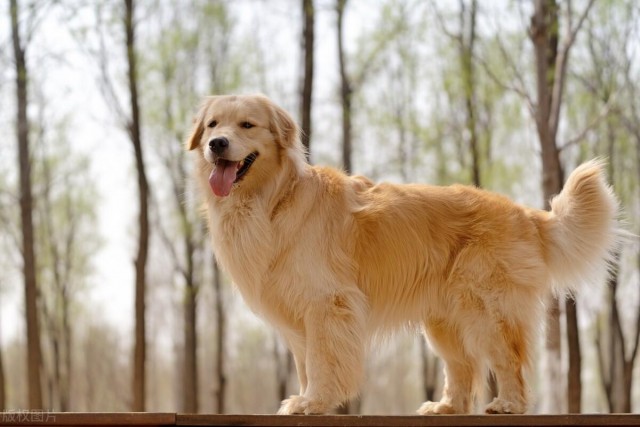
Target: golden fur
[(332, 260)]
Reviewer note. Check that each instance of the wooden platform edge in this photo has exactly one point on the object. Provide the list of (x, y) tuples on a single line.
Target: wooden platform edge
[(410, 420), (42, 418)]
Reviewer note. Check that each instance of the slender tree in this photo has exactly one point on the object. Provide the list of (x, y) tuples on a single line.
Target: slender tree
[(466, 42), (551, 62), (190, 373), (34, 352), (308, 44), (544, 34), (220, 341), (346, 90), (133, 128)]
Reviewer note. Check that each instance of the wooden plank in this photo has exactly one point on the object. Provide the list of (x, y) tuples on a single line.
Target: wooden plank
[(409, 421), (43, 418), (24, 418)]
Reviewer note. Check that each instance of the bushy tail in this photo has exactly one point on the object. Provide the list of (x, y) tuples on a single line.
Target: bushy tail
[(582, 232)]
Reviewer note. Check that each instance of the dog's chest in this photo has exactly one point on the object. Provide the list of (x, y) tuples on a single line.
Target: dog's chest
[(245, 245)]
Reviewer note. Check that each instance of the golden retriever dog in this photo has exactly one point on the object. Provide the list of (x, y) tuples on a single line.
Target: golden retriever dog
[(333, 260)]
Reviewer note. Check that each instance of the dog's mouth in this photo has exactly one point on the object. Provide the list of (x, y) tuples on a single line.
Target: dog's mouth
[(227, 172)]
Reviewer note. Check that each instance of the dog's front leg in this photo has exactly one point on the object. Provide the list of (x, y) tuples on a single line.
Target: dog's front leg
[(334, 329)]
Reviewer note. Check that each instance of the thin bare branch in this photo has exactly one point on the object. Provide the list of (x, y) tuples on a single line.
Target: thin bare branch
[(106, 82), (168, 243), (519, 89), (37, 13), (604, 112), (583, 16), (562, 59), (443, 26)]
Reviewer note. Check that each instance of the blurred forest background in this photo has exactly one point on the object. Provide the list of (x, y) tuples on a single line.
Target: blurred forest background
[(110, 299)]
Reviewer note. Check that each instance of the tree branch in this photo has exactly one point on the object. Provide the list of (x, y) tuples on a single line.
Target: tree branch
[(561, 67), (519, 89), (106, 83), (606, 381), (443, 26), (604, 112), (177, 267)]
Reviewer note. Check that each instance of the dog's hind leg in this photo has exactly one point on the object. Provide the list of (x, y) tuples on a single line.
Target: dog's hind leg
[(334, 328), (461, 371), (508, 357)]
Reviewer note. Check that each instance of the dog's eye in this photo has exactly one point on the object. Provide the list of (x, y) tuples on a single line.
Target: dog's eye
[(212, 123), (246, 125)]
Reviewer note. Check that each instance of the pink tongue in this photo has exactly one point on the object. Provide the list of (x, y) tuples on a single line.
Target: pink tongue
[(222, 177)]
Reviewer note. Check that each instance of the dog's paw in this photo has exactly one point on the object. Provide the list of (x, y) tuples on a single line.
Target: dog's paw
[(435, 408), (302, 405), (501, 406), (293, 405)]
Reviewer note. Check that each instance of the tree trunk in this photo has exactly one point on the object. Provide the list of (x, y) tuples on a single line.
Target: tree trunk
[(467, 42), (617, 352), (429, 372), (284, 367), (544, 35), (574, 382), (220, 341), (67, 340), (551, 69), (190, 381), (346, 91), (190, 374), (3, 389), (308, 35), (139, 376), (34, 352)]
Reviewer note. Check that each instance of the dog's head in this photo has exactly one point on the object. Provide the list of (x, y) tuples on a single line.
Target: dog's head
[(243, 138)]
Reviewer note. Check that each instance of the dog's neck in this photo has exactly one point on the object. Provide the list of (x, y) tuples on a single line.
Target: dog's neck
[(293, 170)]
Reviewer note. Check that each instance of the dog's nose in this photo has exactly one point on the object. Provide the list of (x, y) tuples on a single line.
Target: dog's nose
[(218, 145)]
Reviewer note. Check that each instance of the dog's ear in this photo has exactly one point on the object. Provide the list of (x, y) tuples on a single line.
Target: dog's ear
[(196, 134), (284, 128), (193, 141)]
